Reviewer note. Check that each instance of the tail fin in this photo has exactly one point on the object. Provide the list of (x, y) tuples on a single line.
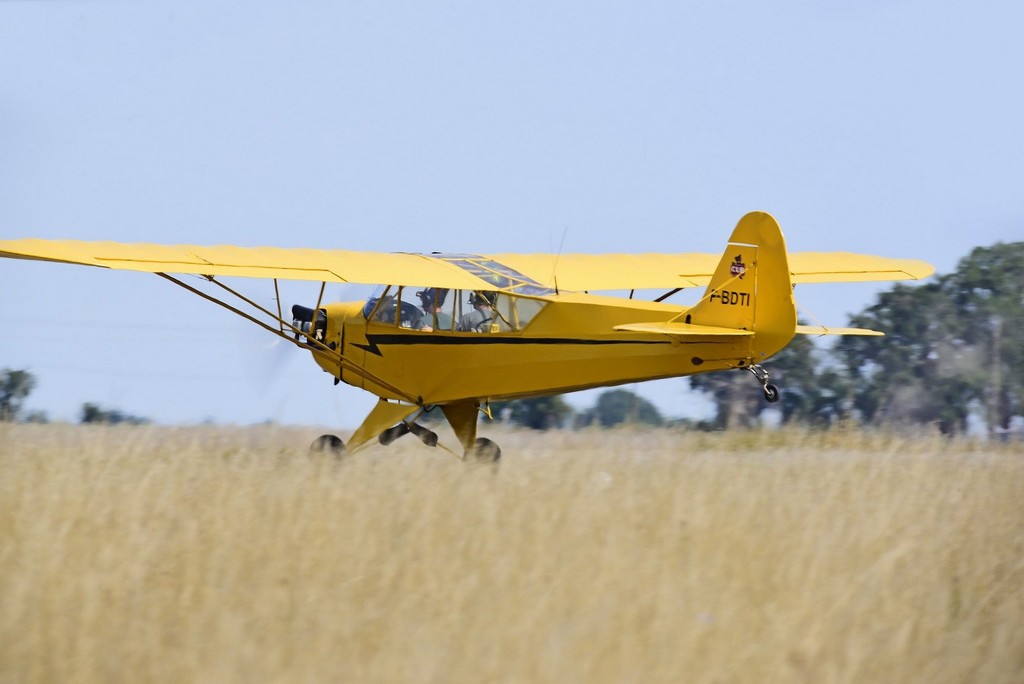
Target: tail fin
[(751, 289)]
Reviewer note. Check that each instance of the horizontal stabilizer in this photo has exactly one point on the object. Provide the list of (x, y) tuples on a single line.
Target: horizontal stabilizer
[(684, 330), (822, 330)]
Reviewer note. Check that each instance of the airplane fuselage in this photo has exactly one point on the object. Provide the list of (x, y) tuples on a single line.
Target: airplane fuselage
[(570, 344)]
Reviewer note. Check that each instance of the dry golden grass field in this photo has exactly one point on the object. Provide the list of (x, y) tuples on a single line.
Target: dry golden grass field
[(154, 554)]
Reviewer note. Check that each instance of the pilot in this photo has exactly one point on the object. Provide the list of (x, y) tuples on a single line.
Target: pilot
[(479, 319), (431, 301)]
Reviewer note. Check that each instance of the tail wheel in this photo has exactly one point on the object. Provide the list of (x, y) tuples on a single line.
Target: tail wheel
[(771, 392), (328, 444), (484, 451)]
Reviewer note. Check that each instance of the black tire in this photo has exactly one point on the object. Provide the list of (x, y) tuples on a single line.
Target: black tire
[(328, 444), (484, 451), (771, 393)]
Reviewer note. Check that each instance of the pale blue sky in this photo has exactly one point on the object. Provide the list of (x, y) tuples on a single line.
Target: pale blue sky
[(884, 127)]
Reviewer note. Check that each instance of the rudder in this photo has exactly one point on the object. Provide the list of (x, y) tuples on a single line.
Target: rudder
[(751, 288)]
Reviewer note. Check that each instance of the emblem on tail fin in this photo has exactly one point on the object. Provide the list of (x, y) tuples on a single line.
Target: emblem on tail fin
[(737, 267)]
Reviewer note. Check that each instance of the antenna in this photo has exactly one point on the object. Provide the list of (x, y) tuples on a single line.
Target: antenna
[(558, 254)]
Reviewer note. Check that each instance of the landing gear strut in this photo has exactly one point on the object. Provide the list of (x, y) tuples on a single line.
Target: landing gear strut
[(771, 392), (482, 450), (427, 436), (401, 419)]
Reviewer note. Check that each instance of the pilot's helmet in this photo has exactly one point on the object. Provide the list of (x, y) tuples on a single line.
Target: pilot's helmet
[(482, 298), (432, 297)]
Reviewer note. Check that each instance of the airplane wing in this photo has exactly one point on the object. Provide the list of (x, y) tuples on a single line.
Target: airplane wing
[(321, 265), (582, 272), (847, 267), (571, 272)]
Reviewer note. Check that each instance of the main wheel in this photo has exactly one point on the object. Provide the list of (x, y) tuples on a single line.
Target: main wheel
[(328, 444), (484, 451), (771, 393)]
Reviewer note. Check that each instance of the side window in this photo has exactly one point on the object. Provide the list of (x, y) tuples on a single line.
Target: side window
[(515, 313), (525, 310), (410, 315), (392, 307), (443, 310), (459, 305), (436, 305), (504, 314), (446, 312), (382, 305), (479, 312)]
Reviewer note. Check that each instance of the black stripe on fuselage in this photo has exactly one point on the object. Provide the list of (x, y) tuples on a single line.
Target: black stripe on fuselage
[(376, 341)]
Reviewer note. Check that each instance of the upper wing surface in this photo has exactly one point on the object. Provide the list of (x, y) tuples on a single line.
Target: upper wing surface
[(579, 272), (324, 265), (572, 272), (666, 271), (847, 267)]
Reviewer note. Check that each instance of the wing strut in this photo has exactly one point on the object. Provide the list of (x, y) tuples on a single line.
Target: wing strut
[(666, 295), (277, 298), (287, 331)]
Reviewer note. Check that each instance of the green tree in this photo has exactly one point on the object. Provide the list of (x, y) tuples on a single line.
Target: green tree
[(951, 346), (736, 395), (538, 413), (895, 377), (15, 386), (988, 290), (618, 406), (812, 392)]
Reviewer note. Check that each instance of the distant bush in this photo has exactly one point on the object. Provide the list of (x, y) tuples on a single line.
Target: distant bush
[(93, 413)]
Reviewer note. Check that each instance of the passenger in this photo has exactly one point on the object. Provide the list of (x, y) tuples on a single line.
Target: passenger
[(432, 300), (479, 319)]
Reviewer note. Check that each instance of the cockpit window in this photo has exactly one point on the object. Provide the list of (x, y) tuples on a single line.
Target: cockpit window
[(496, 312), (438, 306), (440, 310), (371, 302), (390, 305)]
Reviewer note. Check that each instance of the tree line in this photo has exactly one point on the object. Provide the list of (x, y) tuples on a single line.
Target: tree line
[(16, 385)]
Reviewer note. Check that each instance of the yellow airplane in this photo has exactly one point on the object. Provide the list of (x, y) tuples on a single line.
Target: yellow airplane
[(457, 331)]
